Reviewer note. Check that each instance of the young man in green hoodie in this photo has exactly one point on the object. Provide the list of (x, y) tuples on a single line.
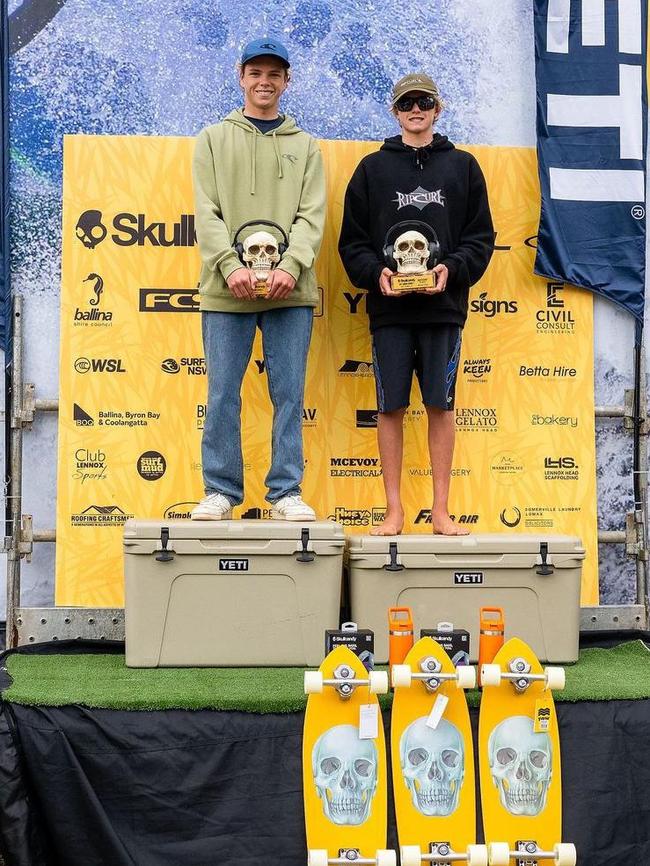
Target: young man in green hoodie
[(257, 165)]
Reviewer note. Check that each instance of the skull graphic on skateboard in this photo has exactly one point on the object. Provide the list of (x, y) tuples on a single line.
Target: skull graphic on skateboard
[(519, 760), (433, 759), (344, 764)]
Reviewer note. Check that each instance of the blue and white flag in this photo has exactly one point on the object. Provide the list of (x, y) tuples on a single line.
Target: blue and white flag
[(590, 58)]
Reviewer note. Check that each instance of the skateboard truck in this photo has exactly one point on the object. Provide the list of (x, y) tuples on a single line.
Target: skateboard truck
[(432, 676), (528, 853), (345, 682), (520, 676), (441, 853), (319, 857)]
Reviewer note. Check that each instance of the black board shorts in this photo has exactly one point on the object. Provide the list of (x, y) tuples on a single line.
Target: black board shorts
[(431, 352)]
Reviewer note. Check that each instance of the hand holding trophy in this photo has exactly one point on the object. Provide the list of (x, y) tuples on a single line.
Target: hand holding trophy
[(412, 257), (260, 252)]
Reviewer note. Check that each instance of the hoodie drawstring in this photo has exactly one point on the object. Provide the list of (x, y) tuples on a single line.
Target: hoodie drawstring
[(277, 154), (422, 154), (253, 162)]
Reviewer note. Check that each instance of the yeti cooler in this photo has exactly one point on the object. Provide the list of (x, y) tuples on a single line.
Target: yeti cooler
[(230, 592), (535, 579)]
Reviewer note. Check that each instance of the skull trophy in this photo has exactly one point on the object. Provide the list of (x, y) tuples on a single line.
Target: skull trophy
[(261, 255), (411, 254)]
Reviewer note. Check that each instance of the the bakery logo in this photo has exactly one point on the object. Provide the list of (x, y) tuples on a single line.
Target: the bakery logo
[(151, 465), (367, 417), (355, 467), (100, 515), (561, 469), (554, 318), (352, 367), (419, 198), (490, 308), (92, 315), (99, 365), (510, 516), (191, 366), (424, 516), (90, 465), (162, 300), (90, 229), (80, 417), (351, 516), (559, 371), (354, 300), (471, 419), (554, 420), (506, 467), (179, 510), (201, 409), (309, 416), (126, 418), (477, 369)]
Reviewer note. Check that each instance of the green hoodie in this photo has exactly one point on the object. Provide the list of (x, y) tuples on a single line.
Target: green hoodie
[(242, 175)]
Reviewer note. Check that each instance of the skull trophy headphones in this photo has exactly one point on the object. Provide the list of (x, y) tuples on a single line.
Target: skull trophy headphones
[(433, 242), (239, 247)]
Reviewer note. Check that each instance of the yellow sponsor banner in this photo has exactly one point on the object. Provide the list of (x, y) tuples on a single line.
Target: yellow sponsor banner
[(133, 384)]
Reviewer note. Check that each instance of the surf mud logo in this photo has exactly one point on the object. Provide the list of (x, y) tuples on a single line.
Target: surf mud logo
[(90, 229), (419, 198), (344, 769), (433, 766)]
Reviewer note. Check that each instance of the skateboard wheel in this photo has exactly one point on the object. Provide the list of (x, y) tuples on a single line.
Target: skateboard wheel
[(410, 855), (385, 857), (477, 855), (313, 683), (401, 676), (555, 678), (318, 857), (466, 677), (378, 682), (491, 675), (565, 854), (499, 854)]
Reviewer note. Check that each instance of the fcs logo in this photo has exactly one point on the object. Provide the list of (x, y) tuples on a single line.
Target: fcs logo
[(169, 301), (89, 229), (510, 517)]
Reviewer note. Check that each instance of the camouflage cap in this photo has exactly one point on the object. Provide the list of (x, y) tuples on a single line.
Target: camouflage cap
[(415, 81)]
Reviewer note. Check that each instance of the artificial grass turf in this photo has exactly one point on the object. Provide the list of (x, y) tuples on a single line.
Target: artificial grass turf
[(103, 681)]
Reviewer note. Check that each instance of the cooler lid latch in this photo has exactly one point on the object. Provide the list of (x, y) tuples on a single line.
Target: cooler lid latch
[(305, 555), (393, 565), (165, 554), (545, 568)]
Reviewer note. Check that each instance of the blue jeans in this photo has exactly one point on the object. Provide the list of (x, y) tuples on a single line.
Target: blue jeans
[(228, 343)]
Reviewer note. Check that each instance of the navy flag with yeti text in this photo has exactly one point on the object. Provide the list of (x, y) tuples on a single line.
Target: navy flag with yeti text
[(590, 58)]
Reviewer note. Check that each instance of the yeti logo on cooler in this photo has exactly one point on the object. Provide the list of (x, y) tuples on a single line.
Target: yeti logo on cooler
[(233, 565), (468, 578)]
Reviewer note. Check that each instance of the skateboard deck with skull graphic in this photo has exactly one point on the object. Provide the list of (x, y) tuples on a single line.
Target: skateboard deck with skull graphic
[(433, 759), (344, 763), (519, 760)]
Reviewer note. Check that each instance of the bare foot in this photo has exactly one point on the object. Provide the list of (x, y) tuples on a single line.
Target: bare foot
[(393, 524), (444, 525)]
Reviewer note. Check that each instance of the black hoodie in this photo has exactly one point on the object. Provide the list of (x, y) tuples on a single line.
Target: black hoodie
[(437, 185)]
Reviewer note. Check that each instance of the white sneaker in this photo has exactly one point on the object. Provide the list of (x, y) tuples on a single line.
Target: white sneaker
[(215, 506), (292, 508)]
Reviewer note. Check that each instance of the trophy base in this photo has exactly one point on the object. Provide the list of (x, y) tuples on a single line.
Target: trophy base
[(261, 288), (413, 282)]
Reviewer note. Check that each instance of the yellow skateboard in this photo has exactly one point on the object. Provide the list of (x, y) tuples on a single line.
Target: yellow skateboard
[(519, 760), (433, 759), (344, 764)]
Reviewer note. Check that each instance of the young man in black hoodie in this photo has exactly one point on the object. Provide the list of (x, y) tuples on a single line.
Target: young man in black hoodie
[(417, 177)]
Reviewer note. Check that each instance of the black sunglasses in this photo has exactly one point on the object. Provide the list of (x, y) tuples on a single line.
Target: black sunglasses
[(406, 103)]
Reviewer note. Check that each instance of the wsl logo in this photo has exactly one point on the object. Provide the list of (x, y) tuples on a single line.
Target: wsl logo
[(94, 315), (131, 229)]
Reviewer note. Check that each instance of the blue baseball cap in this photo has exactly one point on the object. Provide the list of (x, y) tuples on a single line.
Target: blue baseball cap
[(265, 47)]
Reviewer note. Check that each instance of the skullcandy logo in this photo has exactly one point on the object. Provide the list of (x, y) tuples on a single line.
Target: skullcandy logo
[(433, 766), (89, 229), (344, 769), (521, 765)]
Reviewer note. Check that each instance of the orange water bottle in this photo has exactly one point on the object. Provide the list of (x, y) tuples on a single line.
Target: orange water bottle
[(400, 634), (491, 636)]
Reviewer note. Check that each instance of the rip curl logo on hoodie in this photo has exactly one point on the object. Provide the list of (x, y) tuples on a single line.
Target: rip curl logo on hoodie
[(419, 198)]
